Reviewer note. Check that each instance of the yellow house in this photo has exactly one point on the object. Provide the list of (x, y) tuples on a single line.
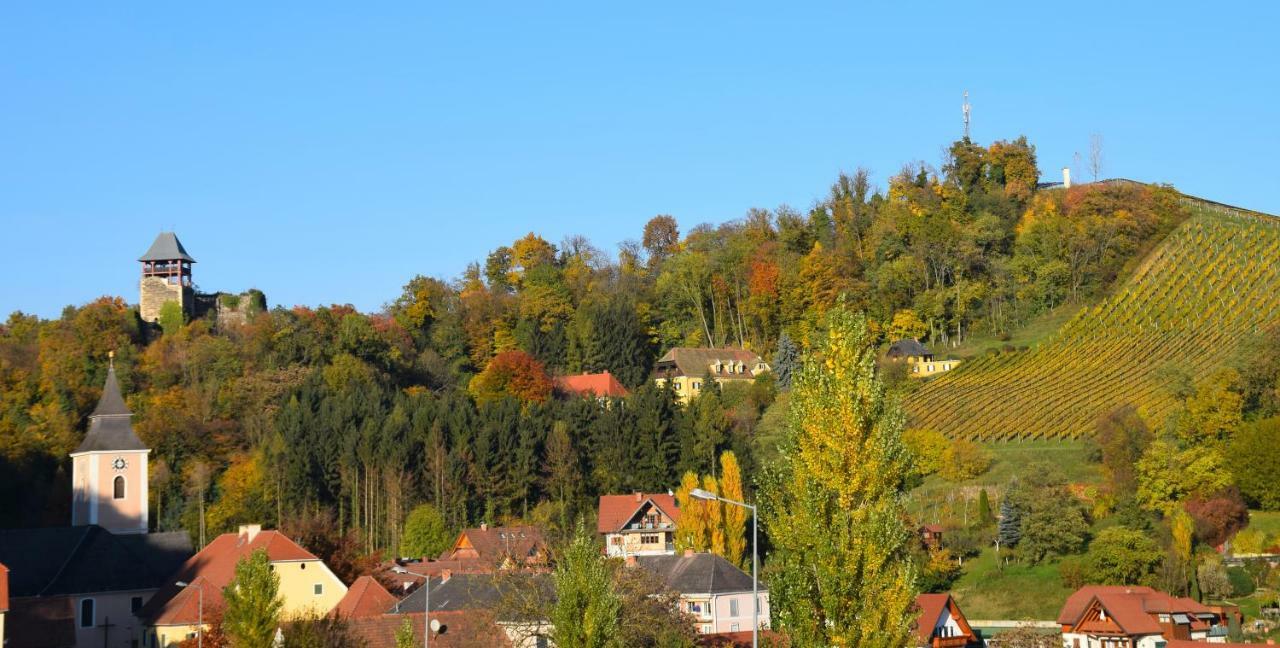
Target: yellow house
[(686, 368), (920, 361), (307, 586)]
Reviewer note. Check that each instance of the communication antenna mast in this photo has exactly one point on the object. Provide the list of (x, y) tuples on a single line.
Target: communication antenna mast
[(965, 108)]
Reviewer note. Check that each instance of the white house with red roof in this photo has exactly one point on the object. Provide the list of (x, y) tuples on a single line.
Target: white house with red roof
[(941, 624), (307, 586), (1109, 616), (640, 524)]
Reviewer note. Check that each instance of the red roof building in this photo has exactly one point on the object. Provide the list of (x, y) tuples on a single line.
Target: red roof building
[(1121, 612), (306, 584), (941, 624), (597, 385), (487, 548), (365, 598), (640, 524)]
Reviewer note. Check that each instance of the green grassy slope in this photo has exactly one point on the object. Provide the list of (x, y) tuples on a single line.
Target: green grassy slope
[(1214, 280)]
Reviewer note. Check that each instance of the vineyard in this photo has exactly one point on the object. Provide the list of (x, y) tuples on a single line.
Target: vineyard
[(1212, 282)]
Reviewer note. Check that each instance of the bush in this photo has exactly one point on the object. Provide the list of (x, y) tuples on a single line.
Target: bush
[(1241, 581), (929, 447), (1120, 556), (964, 460)]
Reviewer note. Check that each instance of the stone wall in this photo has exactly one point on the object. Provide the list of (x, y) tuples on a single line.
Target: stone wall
[(154, 292)]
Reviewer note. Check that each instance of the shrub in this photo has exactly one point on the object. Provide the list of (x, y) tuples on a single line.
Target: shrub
[(964, 460), (1241, 581)]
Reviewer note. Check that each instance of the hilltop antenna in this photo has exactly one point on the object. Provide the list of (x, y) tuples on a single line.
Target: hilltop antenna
[(965, 107)]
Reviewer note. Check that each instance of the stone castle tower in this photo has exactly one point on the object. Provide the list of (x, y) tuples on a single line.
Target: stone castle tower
[(166, 277), (109, 468)]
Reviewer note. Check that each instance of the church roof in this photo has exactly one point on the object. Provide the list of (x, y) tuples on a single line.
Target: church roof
[(167, 247), (109, 427), (65, 561)]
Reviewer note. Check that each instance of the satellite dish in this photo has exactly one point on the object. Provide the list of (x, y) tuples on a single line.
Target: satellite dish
[(435, 625)]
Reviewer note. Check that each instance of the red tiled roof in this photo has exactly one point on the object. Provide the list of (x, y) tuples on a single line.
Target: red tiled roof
[(931, 607), (932, 528), (1130, 607), (492, 545), (365, 598), (212, 569), (1187, 643), (4, 588), (617, 510), (461, 628), (600, 385)]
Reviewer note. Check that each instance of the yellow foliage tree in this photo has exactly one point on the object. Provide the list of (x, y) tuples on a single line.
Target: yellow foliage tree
[(735, 517), (691, 528), (714, 515)]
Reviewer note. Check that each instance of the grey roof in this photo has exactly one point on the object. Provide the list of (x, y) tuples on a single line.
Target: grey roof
[(700, 573), (109, 427), (484, 591), (167, 247), (907, 349), (61, 561)]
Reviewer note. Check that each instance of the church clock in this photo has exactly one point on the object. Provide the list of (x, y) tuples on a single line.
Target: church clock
[(119, 463)]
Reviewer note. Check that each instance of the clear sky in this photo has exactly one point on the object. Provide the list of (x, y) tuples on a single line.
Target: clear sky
[(327, 152)]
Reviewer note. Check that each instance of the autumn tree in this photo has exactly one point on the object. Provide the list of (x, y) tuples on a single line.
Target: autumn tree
[(1120, 556), (841, 571), (512, 373), (734, 518), (693, 527), (587, 611), (1255, 463), (661, 236)]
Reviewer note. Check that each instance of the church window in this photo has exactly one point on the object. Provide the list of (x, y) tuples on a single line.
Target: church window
[(86, 613), (118, 485)]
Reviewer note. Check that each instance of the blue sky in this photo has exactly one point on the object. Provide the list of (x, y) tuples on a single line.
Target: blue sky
[(326, 153)]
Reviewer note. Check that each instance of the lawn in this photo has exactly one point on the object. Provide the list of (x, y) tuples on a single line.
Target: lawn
[(1033, 333), (1016, 592), (930, 501), (1267, 522)]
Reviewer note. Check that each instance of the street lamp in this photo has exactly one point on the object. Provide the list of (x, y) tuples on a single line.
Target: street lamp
[(199, 614), (701, 494)]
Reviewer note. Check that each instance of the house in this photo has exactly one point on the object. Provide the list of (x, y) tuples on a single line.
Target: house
[(686, 368), (919, 359), (712, 590), (639, 524), (307, 586), (456, 629), (602, 386), (488, 548), (365, 598), (501, 604), (1099, 616), (81, 585), (930, 535), (941, 624)]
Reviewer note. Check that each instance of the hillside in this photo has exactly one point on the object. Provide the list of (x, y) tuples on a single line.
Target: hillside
[(1213, 281)]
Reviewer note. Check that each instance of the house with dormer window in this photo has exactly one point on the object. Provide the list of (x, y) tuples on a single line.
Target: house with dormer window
[(687, 368), (640, 524), (1112, 616), (941, 624)]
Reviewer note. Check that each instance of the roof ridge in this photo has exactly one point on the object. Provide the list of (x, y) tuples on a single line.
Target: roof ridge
[(70, 556)]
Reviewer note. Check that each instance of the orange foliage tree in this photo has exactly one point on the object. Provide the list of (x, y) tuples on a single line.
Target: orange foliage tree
[(512, 373)]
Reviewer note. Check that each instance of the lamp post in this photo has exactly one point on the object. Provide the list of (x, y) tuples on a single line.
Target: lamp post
[(426, 612), (199, 614), (698, 493)]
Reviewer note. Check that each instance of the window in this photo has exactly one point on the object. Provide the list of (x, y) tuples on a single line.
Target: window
[(695, 607), (302, 565), (733, 627), (318, 589), (86, 613), (704, 628), (649, 539), (135, 604), (733, 607), (541, 641), (118, 485), (697, 384)]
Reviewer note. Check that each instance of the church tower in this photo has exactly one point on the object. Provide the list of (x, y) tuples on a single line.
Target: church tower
[(109, 469), (166, 277)]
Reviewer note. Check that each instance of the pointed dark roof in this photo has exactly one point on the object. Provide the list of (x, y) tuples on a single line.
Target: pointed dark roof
[(699, 573), (167, 248), (109, 427)]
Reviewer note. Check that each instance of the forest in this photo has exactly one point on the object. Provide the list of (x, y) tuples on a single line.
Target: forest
[(326, 417)]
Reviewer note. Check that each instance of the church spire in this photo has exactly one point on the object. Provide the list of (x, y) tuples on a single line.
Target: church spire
[(109, 427)]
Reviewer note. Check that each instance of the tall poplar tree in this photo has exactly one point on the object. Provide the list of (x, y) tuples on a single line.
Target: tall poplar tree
[(253, 602), (840, 573), (735, 517)]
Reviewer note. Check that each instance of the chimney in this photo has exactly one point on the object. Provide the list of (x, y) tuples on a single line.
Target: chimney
[(484, 526), (445, 575), (688, 553), (249, 531), (1066, 177), (639, 497)]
